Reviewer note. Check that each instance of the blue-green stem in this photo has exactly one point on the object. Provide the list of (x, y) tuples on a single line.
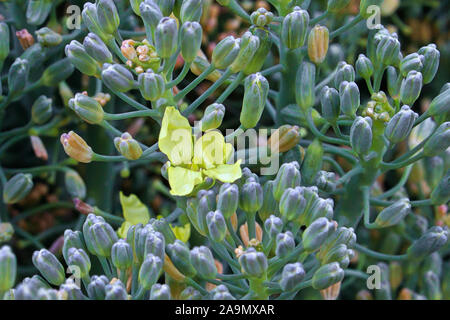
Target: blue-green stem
[(378, 255), (236, 82), (194, 83), (180, 77), (133, 114), (320, 135), (399, 185)]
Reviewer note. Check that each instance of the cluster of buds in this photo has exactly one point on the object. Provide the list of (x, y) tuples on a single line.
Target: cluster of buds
[(141, 55)]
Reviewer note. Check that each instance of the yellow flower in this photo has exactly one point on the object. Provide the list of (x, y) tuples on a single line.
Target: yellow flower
[(134, 212), (191, 161)]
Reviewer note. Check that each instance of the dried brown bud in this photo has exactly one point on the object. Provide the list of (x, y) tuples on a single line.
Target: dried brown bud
[(25, 38)]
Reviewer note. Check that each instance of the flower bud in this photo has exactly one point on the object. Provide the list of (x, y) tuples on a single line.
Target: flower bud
[(191, 40), (117, 77), (288, 176), (294, 27), (327, 275), (284, 138), (430, 62), (339, 254), (388, 50), (57, 72), (180, 256), (78, 56), (91, 21), (364, 67), (439, 141), (151, 85), (38, 11), (8, 268), (206, 203), (97, 49), (212, 117), (248, 44), (190, 294), (221, 292), (285, 244), (441, 194), (411, 87), (79, 262), (41, 111), (191, 10), (312, 162), (318, 40), (261, 17), (335, 6), (150, 271), (150, 13), (87, 108), (316, 234), (155, 245), (107, 16), (122, 255), (318, 208), (349, 98), (203, 261), (411, 62), (101, 237), (432, 286), (27, 290), (128, 147), (166, 37), (256, 90), (72, 239), (291, 276), (115, 291), (325, 181), (440, 104), (160, 292), (393, 214), (273, 226), (216, 225), (225, 52), (76, 147), (265, 44), (329, 99), (17, 76), (136, 239), (344, 72), (431, 241), (4, 41), (400, 125), (305, 83), (392, 84), (17, 188), (361, 135), (69, 290), (251, 197), (292, 203), (49, 266), (253, 263), (74, 184), (48, 38)]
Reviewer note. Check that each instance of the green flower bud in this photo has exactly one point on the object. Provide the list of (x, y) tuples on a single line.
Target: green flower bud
[(251, 197), (392, 84), (47, 294), (313, 162), (116, 291), (132, 238), (291, 276), (191, 40), (17, 188), (72, 239), (256, 90), (191, 10), (128, 147), (261, 17), (87, 108), (151, 85), (35, 53), (440, 104), (441, 194), (221, 292), (99, 236), (17, 77), (150, 271), (160, 292), (96, 288), (225, 52), (151, 15), (139, 235), (57, 72), (78, 56), (228, 199), (253, 263), (339, 254), (361, 135), (388, 50), (344, 72), (79, 259), (265, 44), (203, 261), (288, 176), (206, 203), (329, 99), (273, 226), (212, 117), (97, 49), (285, 244), (393, 214), (71, 291), (318, 41), (284, 139), (28, 289), (269, 205), (432, 286), (337, 5), (292, 203), (180, 256), (8, 268), (74, 184), (294, 27), (48, 38), (41, 111), (349, 98), (117, 77), (38, 11), (431, 241), (122, 255), (400, 125), (317, 232), (327, 275), (248, 44), (166, 37), (439, 141), (107, 16), (190, 294), (305, 83), (135, 5), (325, 181), (49, 266), (430, 62), (411, 62), (216, 225), (411, 87), (319, 208), (155, 245), (163, 226), (364, 67), (91, 21), (4, 41)]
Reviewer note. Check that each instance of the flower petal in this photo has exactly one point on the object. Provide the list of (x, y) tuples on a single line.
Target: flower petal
[(225, 172), (210, 150), (182, 181)]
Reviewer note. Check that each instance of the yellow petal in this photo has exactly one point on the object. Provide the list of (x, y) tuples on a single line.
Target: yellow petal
[(182, 181), (225, 172), (123, 230), (134, 211), (182, 233), (210, 150), (175, 137)]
